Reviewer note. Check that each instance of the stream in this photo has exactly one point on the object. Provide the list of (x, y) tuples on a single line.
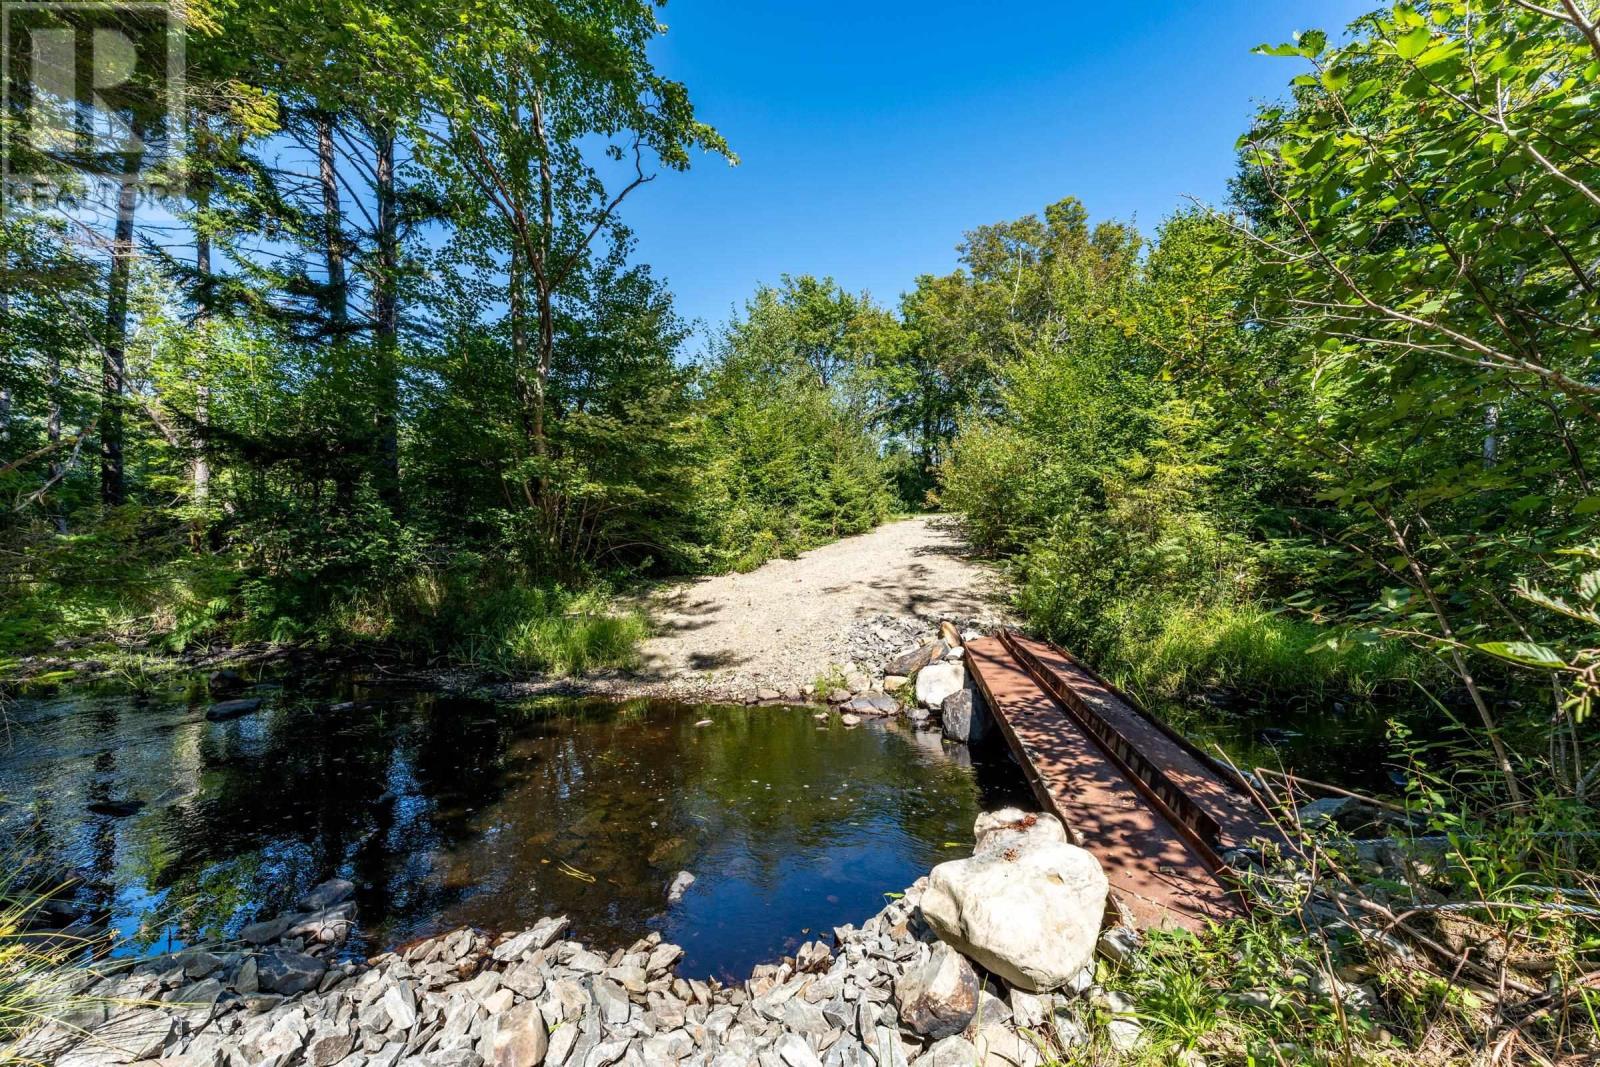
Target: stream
[(449, 811)]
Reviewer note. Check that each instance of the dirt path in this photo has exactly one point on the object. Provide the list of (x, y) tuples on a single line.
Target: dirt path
[(783, 625)]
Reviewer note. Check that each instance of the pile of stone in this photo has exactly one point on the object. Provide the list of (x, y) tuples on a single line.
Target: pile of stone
[(921, 674), (986, 961), (874, 645)]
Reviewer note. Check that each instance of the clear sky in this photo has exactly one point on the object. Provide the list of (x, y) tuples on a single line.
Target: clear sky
[(873, 133)]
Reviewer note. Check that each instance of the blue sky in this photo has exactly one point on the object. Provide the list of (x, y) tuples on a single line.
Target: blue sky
[(872, 134)]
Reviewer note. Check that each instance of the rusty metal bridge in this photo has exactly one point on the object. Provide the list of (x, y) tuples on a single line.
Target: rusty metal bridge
[(1159, 814)]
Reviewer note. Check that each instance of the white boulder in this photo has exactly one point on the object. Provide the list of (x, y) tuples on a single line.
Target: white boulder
[(937, 681), (1027, 905)]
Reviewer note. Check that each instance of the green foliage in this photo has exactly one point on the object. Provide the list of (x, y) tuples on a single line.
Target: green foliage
[(793, 461), (494, 621), (1241, 993)]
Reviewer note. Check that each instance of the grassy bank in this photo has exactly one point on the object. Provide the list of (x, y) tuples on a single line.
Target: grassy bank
[(1251, 649), (132, 612)]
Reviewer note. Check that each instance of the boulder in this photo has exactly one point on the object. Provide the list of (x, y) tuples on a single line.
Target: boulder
[(965, 716), (288, 972), (269, 930), (939, 997), (912, 662), (1013, 828), (893, 683), (937, 681), (1026, 906)]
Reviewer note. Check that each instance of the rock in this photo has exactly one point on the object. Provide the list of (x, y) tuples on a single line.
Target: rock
[(401, 1004), (328, 1047), (223, 682), (1013, 828), (893, 683), (1024, 906), (839, 696), (333, 891), (766, 696), (938, 998), (991, 1010), (1118, 945), (950, 1052), (1029, 1010), (543, 933), (198, 963), (115, 809), (885, 1048), (516, 1038), (629, 977), (858, 683), (262, 933), (1000, 1046), (1123, 1029), (850, 720), (203, 992), (912, 662), (679, 886), (233, 709), (330, 926), (939, 680), (955, 655), (964, 716), (874, 704), (612, 1000), (282, 971), (794, 1051), (813, 956), (663, 958), (127, 1038)]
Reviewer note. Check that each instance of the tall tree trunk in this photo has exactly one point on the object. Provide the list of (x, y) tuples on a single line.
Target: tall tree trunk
[(543, 283), (199, 465), (113, 358), (387, 321), (338, 298), (332, 225)]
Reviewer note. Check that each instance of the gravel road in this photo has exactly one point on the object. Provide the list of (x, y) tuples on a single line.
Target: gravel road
[(782, 626)]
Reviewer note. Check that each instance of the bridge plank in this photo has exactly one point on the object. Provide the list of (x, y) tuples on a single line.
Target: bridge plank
[(1236, 816), (1152, 868)]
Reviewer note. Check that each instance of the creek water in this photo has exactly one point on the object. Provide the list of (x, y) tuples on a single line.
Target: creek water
[(452, 811)]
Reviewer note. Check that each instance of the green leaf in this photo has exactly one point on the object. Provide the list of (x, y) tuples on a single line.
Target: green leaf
[(1523, 652), (1413, 44)]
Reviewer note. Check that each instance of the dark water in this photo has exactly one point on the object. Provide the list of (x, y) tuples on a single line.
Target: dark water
[(448, 811), (1343, 743)]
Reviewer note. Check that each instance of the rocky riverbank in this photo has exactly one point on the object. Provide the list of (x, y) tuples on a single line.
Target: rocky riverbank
[(917, 985)]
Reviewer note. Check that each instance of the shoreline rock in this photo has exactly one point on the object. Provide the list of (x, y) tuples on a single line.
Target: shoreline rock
[(888, 992)]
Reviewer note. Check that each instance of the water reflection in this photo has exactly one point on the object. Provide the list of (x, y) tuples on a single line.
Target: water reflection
[(456, 811)]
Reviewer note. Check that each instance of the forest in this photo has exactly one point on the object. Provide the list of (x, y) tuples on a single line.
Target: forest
[(380, 368)]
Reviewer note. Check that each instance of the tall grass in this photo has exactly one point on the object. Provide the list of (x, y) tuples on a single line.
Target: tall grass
[(496, 621), (40, 978), (1247, 648)]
